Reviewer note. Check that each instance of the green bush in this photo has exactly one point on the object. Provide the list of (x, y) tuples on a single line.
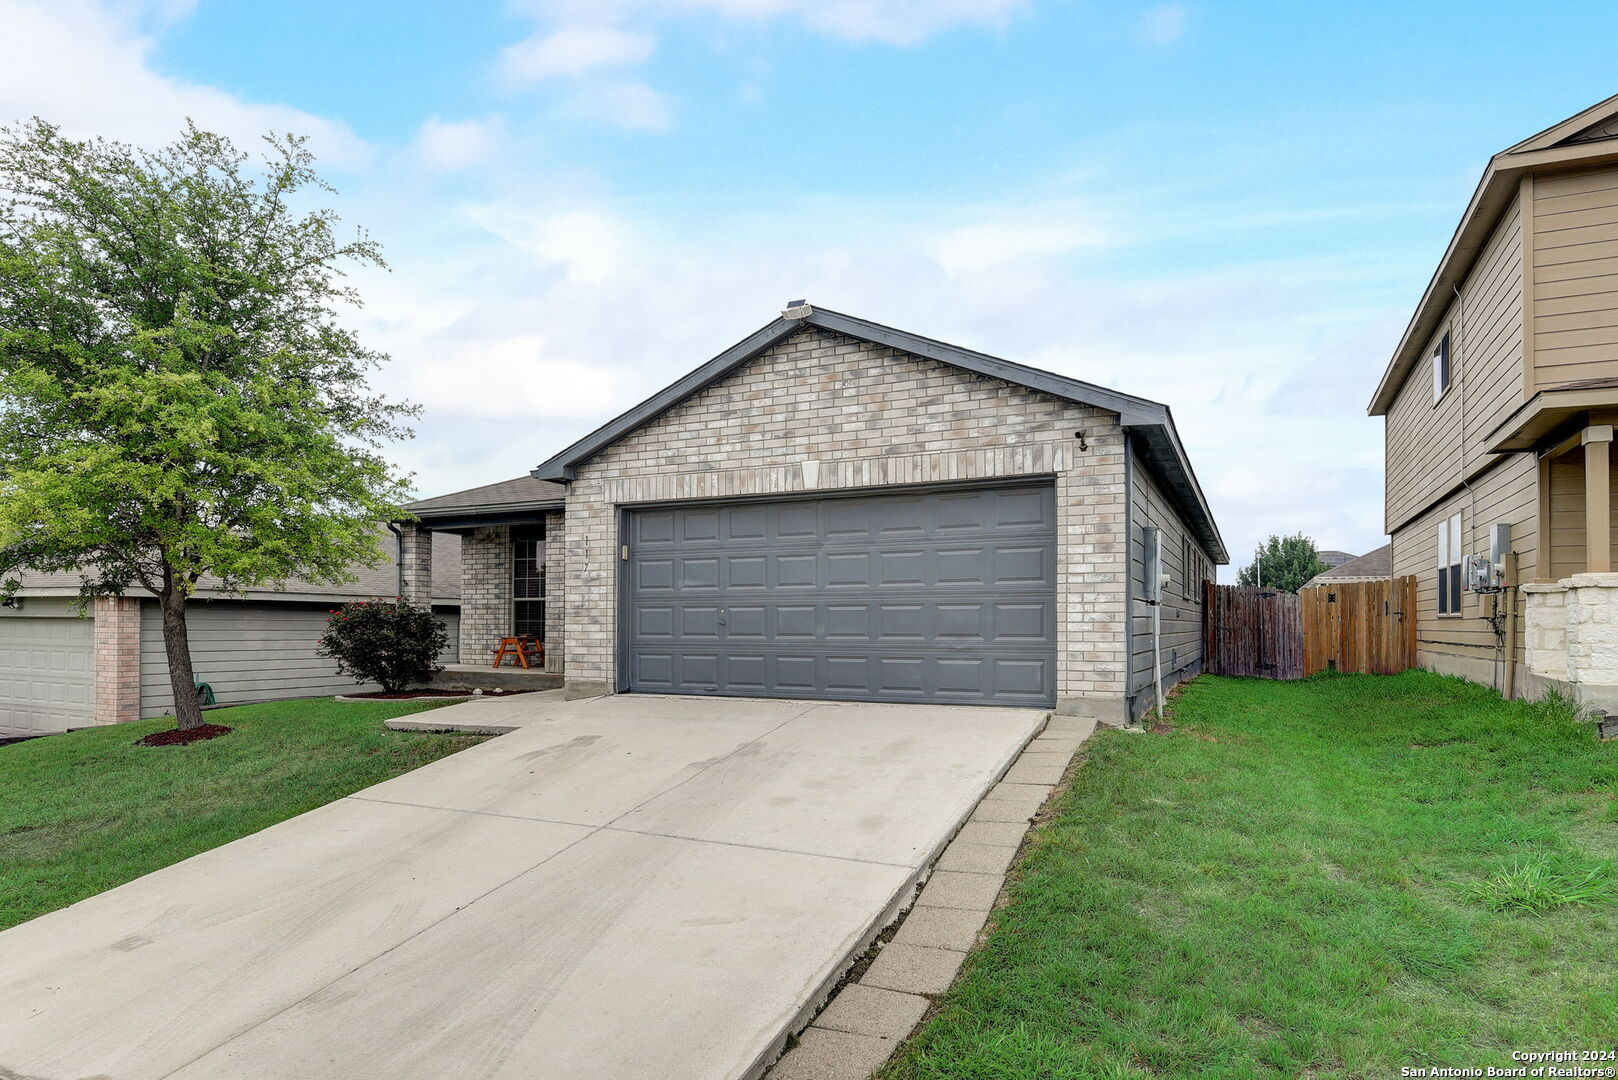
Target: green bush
[(392, 642)]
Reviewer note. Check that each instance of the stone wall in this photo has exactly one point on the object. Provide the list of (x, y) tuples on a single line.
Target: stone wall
[(821, 411), (1571, 637), (486, 613)]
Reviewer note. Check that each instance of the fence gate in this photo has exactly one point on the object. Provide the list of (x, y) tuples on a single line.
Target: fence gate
[(1364, 626), (1248, 631)]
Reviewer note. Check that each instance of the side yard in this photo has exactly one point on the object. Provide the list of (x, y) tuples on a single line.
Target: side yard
[(88, 810), (1332, 878)]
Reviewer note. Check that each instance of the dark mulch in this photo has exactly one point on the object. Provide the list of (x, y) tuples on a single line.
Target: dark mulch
[(176, 737), (406, 695)]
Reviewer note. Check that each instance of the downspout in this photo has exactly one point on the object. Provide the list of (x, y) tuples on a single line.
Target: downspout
[(398, 558)]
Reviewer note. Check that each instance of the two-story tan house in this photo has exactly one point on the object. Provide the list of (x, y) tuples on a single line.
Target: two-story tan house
[(1500, 402)]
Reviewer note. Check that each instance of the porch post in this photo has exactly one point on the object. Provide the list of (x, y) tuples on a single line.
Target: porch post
[(1597, 439)]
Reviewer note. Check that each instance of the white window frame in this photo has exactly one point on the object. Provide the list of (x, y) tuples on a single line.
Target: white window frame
[(1443, 368), (1450, 557)]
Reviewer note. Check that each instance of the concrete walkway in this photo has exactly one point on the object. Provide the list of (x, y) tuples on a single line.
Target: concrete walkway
[(629, 887)]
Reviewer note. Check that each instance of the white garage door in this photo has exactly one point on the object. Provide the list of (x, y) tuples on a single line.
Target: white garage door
[(47, 676)]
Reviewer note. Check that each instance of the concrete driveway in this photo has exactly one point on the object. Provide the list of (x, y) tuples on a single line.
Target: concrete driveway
[(624, 887)]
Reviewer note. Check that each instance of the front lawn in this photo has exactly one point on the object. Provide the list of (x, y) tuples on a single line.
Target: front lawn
[(82, 812), (1333, 878)]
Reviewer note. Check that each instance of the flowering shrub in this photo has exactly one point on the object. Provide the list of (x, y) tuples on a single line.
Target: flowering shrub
[(392, 642)]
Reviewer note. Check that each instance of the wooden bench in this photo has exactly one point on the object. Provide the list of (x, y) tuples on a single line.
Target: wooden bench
[(521, 648)]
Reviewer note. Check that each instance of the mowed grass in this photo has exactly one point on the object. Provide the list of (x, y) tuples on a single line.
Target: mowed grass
[(1332, 878), (82, 812)]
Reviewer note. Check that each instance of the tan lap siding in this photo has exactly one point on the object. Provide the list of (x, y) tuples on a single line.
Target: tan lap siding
[(1567, 555), (1425, 441), (1457, 645), (862, 415), (1576, 276)]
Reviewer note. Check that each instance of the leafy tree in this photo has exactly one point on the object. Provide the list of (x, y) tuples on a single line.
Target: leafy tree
[(392, 642), (1286, 562), (179, 398)]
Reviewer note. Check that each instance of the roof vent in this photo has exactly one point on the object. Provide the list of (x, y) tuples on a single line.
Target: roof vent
[(797, 309)]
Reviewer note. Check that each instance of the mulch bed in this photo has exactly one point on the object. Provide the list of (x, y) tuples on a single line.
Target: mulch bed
[(176, 737), (406, 695)]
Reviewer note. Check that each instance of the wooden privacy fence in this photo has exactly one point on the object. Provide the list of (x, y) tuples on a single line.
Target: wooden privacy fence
[(1252, 632), (1364, 626)]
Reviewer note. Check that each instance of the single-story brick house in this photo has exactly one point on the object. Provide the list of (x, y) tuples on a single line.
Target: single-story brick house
[(60, 669), (832, 508)]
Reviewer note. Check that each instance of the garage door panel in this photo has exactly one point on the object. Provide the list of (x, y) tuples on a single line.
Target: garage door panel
[(938, 596), (47, 674)]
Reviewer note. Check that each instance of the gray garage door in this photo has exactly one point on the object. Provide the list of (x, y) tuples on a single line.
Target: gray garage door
[(943, 596), (47, 678)]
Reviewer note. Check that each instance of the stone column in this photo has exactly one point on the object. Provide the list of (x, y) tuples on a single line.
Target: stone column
[(416, 564), (117, 659), (1592, 638), (1597, 441)]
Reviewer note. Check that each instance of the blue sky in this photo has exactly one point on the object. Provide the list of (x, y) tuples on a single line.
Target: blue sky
[(1227, 207)]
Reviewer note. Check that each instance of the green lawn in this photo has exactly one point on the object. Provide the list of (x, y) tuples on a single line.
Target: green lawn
[(1332, 878), (82, 812)]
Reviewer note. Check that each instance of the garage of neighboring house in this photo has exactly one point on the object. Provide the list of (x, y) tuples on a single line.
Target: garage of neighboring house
[(833, 508), (63, 666), (47, 671)]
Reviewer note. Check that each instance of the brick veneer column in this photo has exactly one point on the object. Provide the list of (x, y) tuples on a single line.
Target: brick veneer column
[(117, 659), (416, 562), (555, 592), (485, 591)]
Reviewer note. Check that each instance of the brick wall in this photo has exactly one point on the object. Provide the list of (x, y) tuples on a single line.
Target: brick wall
[(117, 659), (555, 576), (821, 411), (485, 591)]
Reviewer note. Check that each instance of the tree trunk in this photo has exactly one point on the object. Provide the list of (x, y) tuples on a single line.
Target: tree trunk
[(187, 708)]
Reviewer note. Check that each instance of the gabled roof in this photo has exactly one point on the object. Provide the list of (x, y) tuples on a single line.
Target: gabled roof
[(1586, 138), (1373, 565), (1148, 420)]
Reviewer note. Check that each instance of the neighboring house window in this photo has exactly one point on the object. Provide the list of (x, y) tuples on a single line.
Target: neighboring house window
[(528, 587), (1441, 367), (1449, 565)]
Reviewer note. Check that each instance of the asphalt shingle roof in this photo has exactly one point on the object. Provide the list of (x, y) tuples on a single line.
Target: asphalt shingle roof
[(1373, 564)]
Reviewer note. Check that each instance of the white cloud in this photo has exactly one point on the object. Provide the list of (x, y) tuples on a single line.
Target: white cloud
[(587, 245), (85, 66), (446, 145), (632, 106), (1163, 24), (572, 51)]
